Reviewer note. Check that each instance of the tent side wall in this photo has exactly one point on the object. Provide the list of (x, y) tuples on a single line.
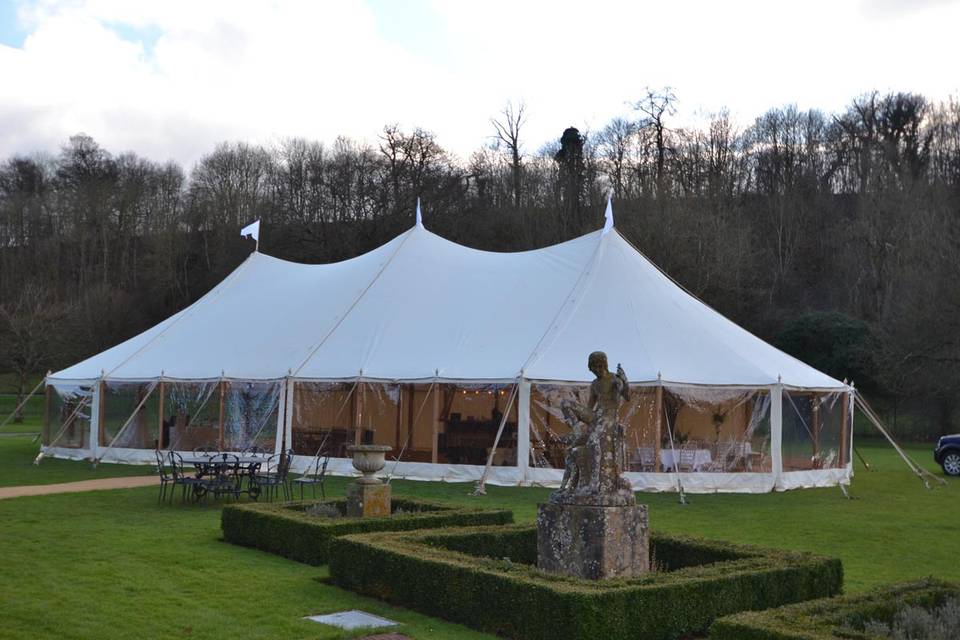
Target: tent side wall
[(700, 439)]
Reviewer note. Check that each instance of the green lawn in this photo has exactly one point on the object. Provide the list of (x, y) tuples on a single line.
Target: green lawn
[(115, 564), (16, 466), (32, 414)]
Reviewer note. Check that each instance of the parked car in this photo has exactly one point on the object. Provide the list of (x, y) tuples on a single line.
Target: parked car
[(947, 454)]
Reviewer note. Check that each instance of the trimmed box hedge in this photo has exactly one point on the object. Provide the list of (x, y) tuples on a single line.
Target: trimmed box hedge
[(833, 618), (486, 578), (288, 530)]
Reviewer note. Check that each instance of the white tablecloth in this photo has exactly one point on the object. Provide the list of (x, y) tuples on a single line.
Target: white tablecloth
[(692, 459)]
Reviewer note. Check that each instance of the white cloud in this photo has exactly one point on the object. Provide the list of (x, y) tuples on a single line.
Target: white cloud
[(259, 71)]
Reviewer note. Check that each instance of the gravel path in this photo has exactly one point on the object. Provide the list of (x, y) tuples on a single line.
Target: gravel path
[(83, 485)]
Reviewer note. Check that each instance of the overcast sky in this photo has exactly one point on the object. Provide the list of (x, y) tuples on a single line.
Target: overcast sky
[(170, 79)]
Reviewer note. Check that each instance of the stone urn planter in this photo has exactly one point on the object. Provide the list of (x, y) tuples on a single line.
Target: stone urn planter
[(367, 497), (368, 459)]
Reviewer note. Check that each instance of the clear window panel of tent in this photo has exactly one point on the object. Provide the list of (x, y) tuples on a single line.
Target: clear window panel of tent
[(250, 414), (639, 420), (130, 415), (325, 417), (419, 407), (191, 415), (815, 430), (380, 414), (467, 420), (68, 416), (549, 429), (715, 429)]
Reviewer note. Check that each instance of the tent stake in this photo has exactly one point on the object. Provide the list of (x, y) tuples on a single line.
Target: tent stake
[(866, 465)]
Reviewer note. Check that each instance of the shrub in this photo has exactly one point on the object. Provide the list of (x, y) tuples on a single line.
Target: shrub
[(484, 578), (919, 623), (854, 617), (288, 530)]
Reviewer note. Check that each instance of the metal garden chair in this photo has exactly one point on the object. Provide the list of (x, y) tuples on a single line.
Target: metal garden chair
[(278, 466), (165, 478), (316, 477), (182, 479)]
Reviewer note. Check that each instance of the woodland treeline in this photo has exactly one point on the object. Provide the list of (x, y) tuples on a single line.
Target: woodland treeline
[(834, 235)]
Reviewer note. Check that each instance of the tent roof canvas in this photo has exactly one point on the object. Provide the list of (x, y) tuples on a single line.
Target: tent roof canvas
[(421, 307)]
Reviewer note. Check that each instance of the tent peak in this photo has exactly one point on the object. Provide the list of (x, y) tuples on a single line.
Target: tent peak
[(419, 222), (608, 217)]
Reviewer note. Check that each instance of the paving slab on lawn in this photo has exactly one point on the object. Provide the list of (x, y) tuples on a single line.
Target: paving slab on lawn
[(128, 482), (353, 619)]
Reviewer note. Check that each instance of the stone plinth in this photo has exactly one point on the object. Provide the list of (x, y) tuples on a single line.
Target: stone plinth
[(368, 500), (593, 542)]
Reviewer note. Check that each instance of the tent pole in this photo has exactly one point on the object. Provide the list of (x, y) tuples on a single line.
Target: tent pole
[(844, 428), (776, 432), (815, 420), (658, 424), (436, 421), (222, 406), (46, 413), (354, 408), (160, 412), (96, 423), (399, 417), (284, 436), (523, 430), (411, 390)]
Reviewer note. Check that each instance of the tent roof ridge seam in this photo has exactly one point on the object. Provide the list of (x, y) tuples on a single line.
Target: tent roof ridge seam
[(577, 286)]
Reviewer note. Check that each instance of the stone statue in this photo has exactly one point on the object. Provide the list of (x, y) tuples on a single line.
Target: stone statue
[(594, 454), (592, 526)]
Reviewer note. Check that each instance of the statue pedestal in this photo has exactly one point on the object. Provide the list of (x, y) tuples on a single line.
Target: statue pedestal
[(592, 541), (368, 500)]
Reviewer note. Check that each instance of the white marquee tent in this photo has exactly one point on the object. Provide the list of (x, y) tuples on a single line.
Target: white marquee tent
[(433, 348)]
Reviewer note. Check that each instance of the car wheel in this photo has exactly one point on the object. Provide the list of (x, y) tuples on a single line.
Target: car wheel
[(951, 464)]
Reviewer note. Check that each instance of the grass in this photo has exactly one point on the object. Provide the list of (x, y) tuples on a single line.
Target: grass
[(115, 564), (16, 466), (32, 414)]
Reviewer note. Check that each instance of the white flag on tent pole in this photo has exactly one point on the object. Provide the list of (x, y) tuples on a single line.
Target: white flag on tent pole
[(608, 218), (419, 218), (252, 230)]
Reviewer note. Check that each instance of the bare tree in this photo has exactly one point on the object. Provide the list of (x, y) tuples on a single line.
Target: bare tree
[(508, 133), (29, 335), (656, 106), (614, 143)]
